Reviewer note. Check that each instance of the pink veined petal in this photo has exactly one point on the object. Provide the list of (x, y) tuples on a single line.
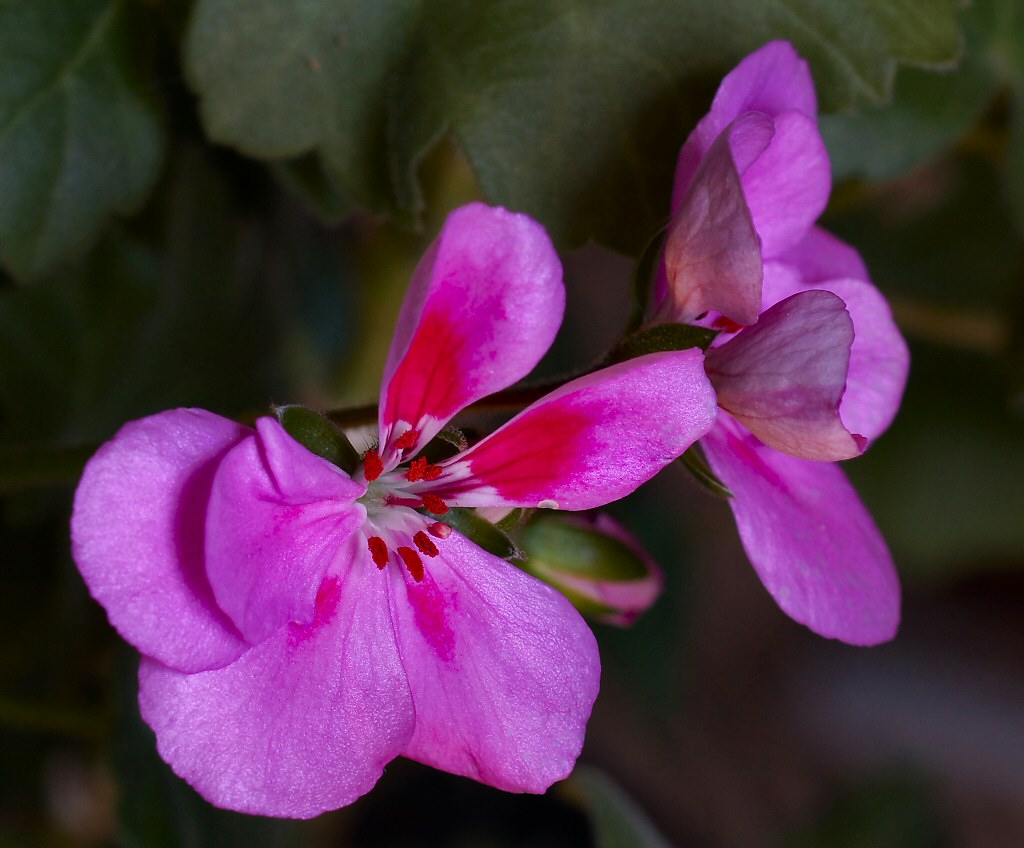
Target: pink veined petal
[(302, 723), (879, 359), (137, 536), (820, 256), (771, 80), (483, 307), (787, 187), (809, 537), (276, 519), (712, 253), (591, 441), (784, 377), (502, 668)]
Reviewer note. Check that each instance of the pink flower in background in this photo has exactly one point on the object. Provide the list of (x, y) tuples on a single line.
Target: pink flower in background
[(810, 366), (301, 627)]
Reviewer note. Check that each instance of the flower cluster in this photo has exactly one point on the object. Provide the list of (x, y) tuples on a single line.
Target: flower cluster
[(304, 620)]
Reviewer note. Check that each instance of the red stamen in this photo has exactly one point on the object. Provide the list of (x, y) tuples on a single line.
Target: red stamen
[(378, 550), (434, 504), (726, 325), (432, 472), (412, 562), (372, 465), (417, 470), (439, 530), (407, 440), (425, 544)]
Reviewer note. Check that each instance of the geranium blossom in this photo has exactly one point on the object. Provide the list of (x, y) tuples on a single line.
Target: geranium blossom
[(809, 367), (301, 626)]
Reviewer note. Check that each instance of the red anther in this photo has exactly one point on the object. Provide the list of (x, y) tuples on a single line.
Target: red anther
[(432, 472), (425, 544), (412, 562), (439, 530), (372, 465), (407, 440), (726, 325), (417, 469), (378, 550), (434, 504)]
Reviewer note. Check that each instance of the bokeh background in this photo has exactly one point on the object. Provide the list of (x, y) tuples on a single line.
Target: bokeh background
[(219, 203)]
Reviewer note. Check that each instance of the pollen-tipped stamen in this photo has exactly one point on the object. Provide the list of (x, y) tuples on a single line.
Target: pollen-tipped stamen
[(439, 530), (373, 466), (412, 562), (425, 544), (407, 440), (378, 550), (434, 504)]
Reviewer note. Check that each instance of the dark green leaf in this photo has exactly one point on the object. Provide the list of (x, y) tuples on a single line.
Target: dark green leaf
[(697, 465), (79, 136), (481, 531), (572, 111), (662, 337), (318, 434), (617, 820)]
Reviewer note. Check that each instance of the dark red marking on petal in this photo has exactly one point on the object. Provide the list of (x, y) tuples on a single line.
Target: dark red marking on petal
[(425, 544), (433, 503), (412, 562), (432, 472), (407, 440), (439, 530), (417, 470), (327, 599), (378, 550), (373, 467)]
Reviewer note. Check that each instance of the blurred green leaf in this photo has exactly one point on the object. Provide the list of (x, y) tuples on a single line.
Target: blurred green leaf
[(571, 111), (80, 138), (617, 820)]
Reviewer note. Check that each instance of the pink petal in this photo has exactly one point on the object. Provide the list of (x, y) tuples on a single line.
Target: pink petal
[(482, 309), (276, 519), (592, 441), (820, 256), (713, 254), (809, 537), (503, 670), (771, 80), (788, 186), (137, 536), (783, 378), (300, 724)]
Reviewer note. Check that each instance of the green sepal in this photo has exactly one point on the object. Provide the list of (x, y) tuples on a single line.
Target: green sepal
[(662, 337), (697, 464), (515, 520), (643, 279), (482, 532), (319, 435), (446, 444), (556, 547)]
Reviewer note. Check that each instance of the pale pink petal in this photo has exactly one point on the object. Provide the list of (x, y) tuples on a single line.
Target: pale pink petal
[(820, 256), (788, 186), (503, 670), (771, 80), (276, 519), (137, 536), (809, 537), (879, 359), (483, 307), (592, 441), (712, 252), (300, 724), (783, 378)]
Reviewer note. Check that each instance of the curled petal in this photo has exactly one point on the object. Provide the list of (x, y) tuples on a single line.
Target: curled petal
[(783, 378), (302, 723), (483, 307), (503, 670), (277, 517), (809, 537), (712, 253), (592, 441), (137, 535)]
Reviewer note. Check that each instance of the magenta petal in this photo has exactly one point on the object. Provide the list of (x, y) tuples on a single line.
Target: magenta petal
[(713, 254), (137, 536), (809, 537), (879, 359), (820, 256), (592, 441), (483, 307), (300, 724), (503, 670), (784, 377), (277, 517)]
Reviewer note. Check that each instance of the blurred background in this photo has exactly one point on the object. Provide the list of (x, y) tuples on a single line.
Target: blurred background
[(219, 204)]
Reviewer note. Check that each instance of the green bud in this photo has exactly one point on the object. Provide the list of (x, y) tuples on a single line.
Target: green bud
[(319, 435)]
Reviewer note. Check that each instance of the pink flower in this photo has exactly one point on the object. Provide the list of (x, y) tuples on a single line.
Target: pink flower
[(301, 627), (810, 366)]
